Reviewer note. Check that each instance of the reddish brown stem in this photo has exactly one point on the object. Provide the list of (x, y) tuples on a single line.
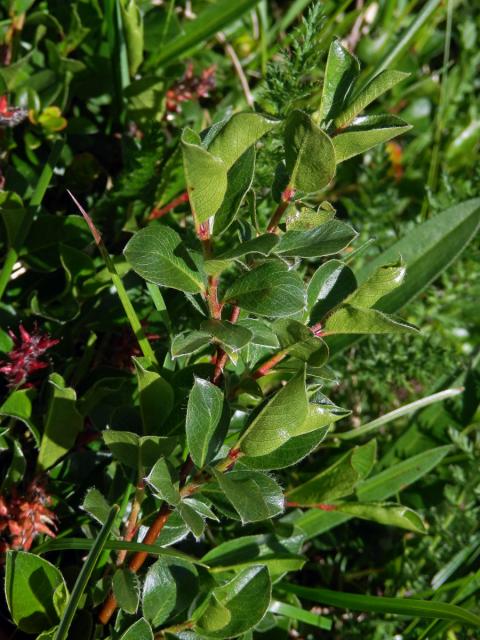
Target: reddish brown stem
[(221, 357), (269, 364), (137, 561), (287, 196), (159, 213)]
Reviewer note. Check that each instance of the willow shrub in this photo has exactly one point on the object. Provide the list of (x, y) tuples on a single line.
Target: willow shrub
[(238, 398)]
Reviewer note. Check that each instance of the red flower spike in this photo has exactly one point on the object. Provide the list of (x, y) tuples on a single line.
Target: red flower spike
[(25, 516), (24, 358), (190, 87)]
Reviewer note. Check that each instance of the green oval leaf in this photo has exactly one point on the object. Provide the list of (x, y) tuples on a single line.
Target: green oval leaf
[(157, 254)]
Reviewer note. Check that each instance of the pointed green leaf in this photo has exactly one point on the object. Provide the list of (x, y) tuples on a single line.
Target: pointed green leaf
[(381, 282), (161, 482), (238, 134), (254, 495), (156, 397), (205, 431), (186, 343), (126, 589), (366, 132), (132, 22), (341, 70), (192, 518), (388, 513), (279, 420), (158, 255), (330, 237), (309, 154), (287, 454), (205, 175), (338, 480), (230, 335), (30, 582), (270, 289), (374, 89), (305, 218), (96, 505), (348, 319), (140, 630), (297, 340), (331, 283), (236, 606), (263, 245), (63, 423), (239, 181), (426, 251)]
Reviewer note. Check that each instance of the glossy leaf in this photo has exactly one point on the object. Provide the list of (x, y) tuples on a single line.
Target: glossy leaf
[(341, 70), (254, 495), (170, 586), (192, 518), (140, 630), (331, 283), (156, 397), (137, 451), (366, 132), (338, 480), (30, 582), (161, 482), (239, 181), (349, 319), (18, 405), (309, 154), (374, 89), (236, 606), (96, 505), (381, 282), (230, 335), (304, 218), (297, 340), (205, 431), (270, 289), (238, 134), (63, 423), (288, 454), (186, 343), (262, 245), (279, 420), (426, 251), (157, 253), (126, 589), (391, 514), (205, 175), (330, 237)]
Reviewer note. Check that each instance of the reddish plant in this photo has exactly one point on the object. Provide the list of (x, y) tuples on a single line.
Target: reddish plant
[(25, 358), (190, 87), (24, 516)]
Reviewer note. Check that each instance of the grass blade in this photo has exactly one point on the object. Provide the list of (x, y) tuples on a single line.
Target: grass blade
[(398, 413), (398, 606), (84, 544), (213, 19), (296, 613), (84, 575)]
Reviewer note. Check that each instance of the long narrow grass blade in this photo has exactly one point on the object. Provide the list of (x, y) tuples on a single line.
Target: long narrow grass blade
[(208, 23), (84, 575), (399, 606), (398, 413), (84, 544)]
